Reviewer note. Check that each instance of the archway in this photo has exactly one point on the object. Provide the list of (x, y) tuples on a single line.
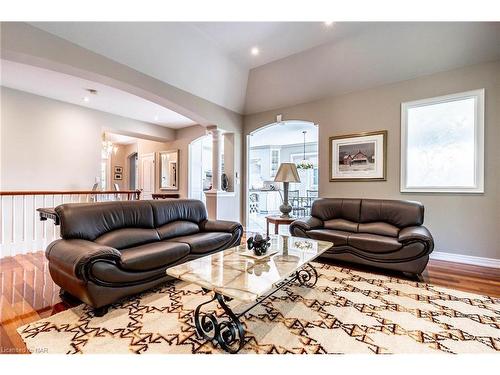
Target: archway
[(200, 167), (268, 147)]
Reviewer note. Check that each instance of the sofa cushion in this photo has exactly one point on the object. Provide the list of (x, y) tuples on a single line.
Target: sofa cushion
[(336, 208), (382, 229), (168, 210), (341, 224), (398, 213), (153, 255), (204, 242), (127, 237), (338, 237), (177, 229), (88, 221), (373, 243)]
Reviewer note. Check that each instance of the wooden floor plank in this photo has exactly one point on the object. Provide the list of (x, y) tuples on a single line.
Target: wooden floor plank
[(27, 292)]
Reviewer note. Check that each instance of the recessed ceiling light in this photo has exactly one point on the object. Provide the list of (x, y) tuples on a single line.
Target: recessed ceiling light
[(86, 99), (328, 23), (254, 51), (156, 118)]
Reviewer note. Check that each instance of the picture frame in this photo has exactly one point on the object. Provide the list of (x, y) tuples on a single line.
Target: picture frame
[(359, 156), (118, 169), (117, 176)]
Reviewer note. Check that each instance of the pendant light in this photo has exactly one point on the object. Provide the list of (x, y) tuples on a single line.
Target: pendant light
[(305, 164)]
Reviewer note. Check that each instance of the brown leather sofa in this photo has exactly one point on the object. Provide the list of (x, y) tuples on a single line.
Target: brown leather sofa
[(382, 233), (114, 249)]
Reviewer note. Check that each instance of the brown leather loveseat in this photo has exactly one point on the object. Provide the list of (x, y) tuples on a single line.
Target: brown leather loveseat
[(382, 233), (114, 249)]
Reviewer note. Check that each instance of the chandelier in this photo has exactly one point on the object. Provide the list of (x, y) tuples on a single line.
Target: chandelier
[(107, 146), (305, 164)]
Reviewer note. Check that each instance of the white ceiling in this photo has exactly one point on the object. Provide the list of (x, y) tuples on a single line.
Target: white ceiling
[(298, 61), (71, 89), (274, 40), (208, 59), (173, 52)]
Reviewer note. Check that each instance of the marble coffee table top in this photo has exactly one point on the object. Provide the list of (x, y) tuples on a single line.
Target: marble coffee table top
[(240, 277)]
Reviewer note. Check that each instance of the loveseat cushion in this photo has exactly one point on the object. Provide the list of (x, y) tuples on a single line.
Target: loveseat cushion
[(373, 243), (380, 228), (177, 228), (338, 237), (395, 212), (204, 242), (127, 237), (152, 255), (341, 224)]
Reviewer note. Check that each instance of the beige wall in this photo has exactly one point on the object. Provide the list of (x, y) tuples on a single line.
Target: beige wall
[(462, 224), (47, 144)]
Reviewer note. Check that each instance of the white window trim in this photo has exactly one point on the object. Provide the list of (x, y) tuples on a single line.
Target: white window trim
[(478, 187)]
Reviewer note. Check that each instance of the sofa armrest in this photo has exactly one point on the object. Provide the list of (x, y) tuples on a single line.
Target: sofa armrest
[(220, 226), (417, 233), (300, 226), (72, 256)]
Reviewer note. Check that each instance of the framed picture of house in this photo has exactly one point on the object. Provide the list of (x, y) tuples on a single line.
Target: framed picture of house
[(358, 157)]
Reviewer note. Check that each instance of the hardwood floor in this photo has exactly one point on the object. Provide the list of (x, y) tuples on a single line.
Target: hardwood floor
[(28, 293)]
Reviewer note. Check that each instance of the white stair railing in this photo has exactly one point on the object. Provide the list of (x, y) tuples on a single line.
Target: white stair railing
[(21, 230)]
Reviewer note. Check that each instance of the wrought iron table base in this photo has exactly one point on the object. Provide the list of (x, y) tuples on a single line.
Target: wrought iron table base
[(228, 331)]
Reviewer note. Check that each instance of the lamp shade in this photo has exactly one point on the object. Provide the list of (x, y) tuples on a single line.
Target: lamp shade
[(287, 172)]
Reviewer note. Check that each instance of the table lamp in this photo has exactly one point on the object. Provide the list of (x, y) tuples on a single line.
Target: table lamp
[(287, 172)]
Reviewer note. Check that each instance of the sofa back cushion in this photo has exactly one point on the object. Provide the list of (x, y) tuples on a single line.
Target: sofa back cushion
[(398, 213), (375, 216), (88, 221), (169, 210), (336, 208)]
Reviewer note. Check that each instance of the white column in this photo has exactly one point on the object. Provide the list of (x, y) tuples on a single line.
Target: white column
[(216, 157)]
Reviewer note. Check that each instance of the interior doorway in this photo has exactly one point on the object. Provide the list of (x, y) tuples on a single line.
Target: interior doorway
[(268, 147), (200, 167), (133, 172), (147, 175)]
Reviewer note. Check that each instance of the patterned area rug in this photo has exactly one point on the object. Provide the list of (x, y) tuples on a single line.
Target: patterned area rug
[(346, 312)]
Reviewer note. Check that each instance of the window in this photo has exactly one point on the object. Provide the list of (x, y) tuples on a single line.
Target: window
[(442, 144), (275, 162)]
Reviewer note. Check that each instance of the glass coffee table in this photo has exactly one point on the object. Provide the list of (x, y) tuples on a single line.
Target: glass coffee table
[(230, 274)]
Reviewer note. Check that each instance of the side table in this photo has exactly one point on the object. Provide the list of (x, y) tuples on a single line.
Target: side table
[(277, 221)]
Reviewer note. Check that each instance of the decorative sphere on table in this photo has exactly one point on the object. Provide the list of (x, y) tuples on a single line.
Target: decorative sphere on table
[(259, 244)]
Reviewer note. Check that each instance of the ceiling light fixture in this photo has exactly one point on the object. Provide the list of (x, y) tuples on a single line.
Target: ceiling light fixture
[(156, 118), (328, 23), (254, 51), (86, 99)]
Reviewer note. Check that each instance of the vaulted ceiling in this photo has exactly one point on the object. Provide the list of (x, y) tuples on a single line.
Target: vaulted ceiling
[(297, 61)]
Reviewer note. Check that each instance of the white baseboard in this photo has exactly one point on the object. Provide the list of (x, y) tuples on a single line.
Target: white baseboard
[(468, 259)]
